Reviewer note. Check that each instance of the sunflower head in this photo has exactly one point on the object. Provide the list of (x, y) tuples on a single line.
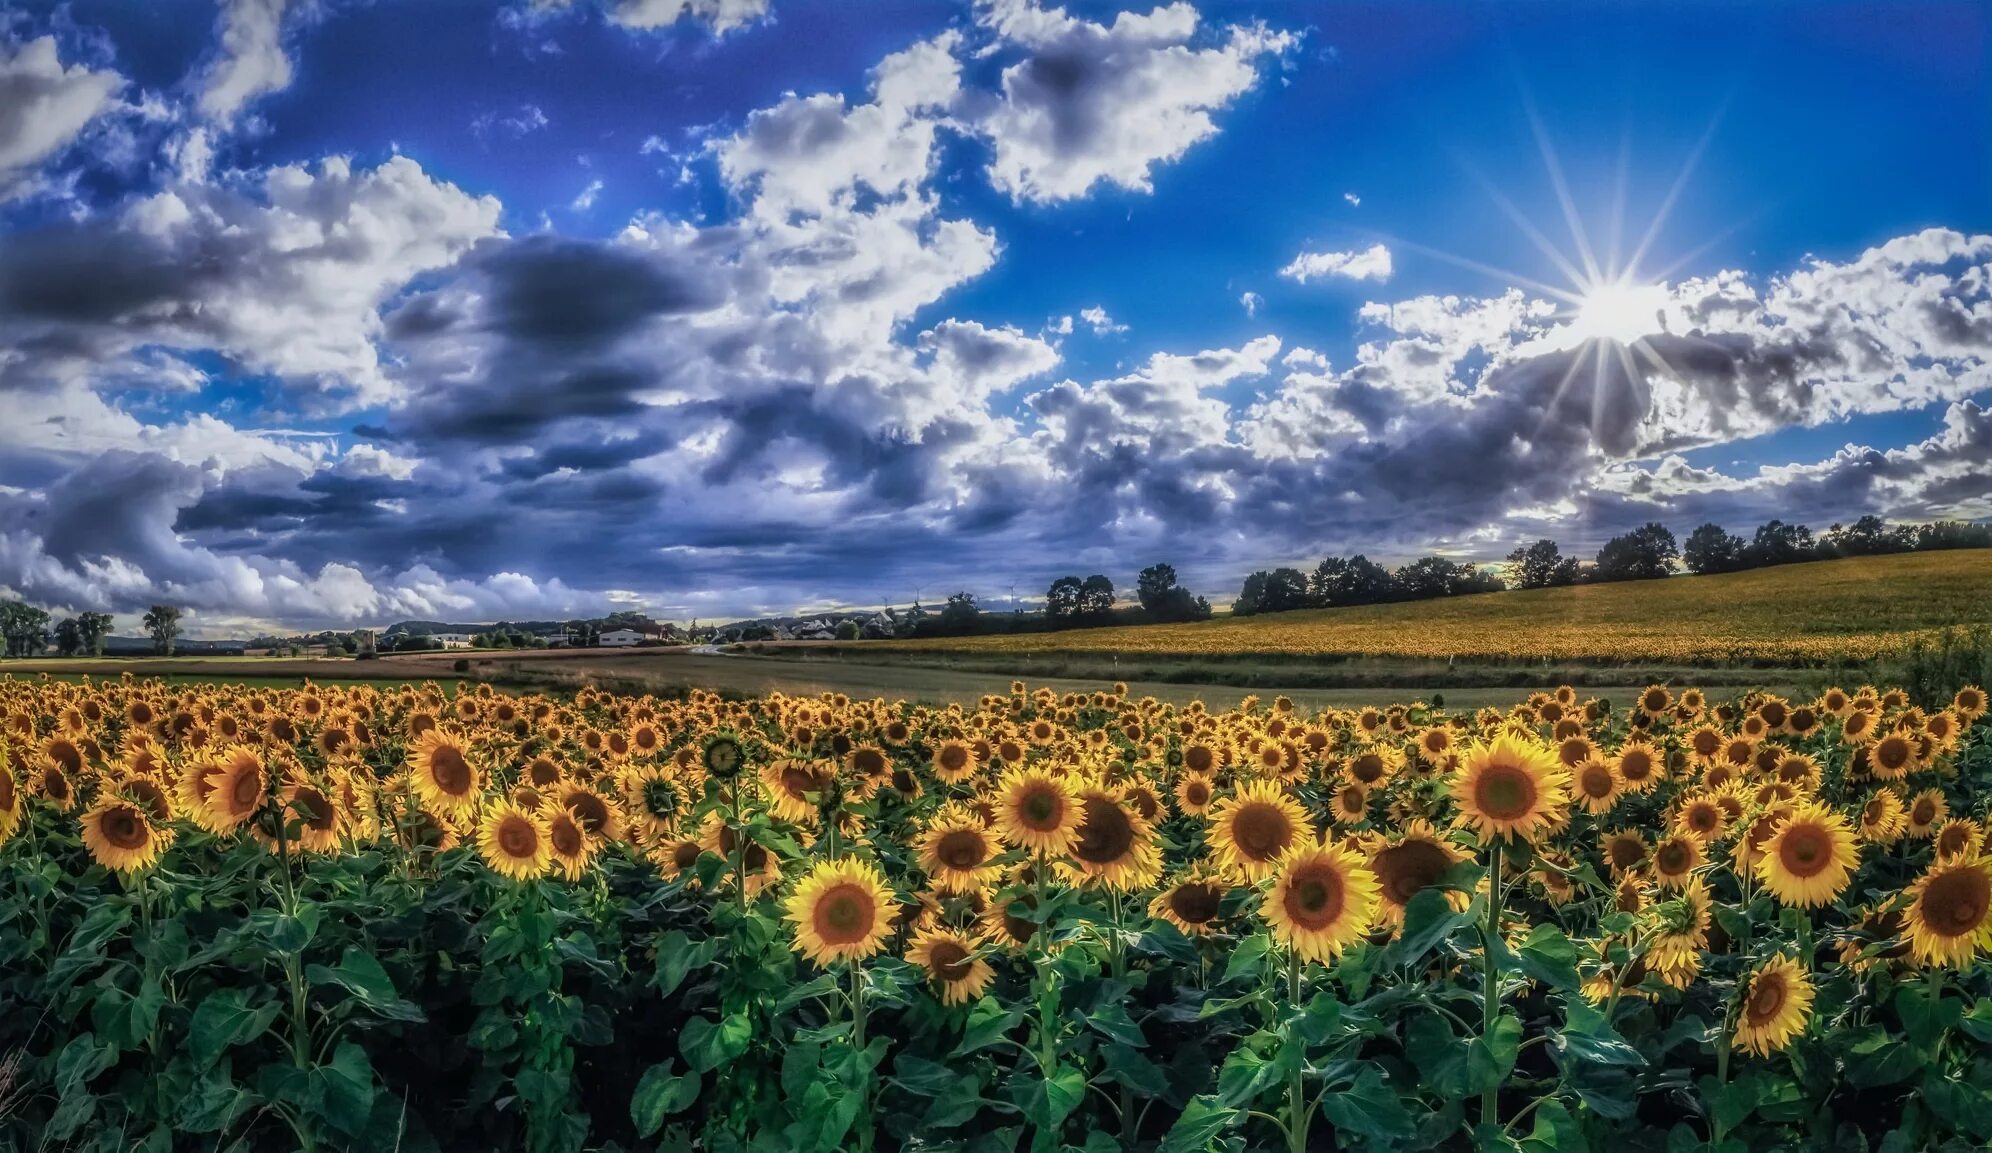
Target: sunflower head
[(1193, 902), (120, 835), (1323, 899), (1809, 856), (443, 774), (1776, 1005), (1510, 787), (951, 960), (842, 911), (1037, 811), (1252, 829), (514, 842), (1950, 911)]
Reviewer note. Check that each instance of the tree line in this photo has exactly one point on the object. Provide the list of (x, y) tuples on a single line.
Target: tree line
[(27, 631), (1646, 553)]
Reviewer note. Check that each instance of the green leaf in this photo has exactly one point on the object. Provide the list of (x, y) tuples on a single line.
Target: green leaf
[(1490, 1059), (957, 1104), (1587, 1037), (921, 1077), (676, 957), (1244, 1075), (1556, 1131), (708, 1046), (345, 1086), (1132, 1068), (658, 1095), (1428, 919), (1925, 1014), (1111, 1021), (1063, 1091), (1248, 958), (988, 1023), (213, 1106), (226, 1019), (1550, 957), (1369, 1108), (1978, 1022), (1201, 1121), (362, 976), (1441, 1058), (1876, 1058), (822, 985)]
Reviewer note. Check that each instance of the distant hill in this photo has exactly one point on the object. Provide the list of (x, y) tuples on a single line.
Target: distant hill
[(142, 647), (1819, 613)]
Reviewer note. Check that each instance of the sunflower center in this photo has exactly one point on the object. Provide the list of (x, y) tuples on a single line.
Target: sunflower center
[(1627, 852), (1672, 858), (1505, 793), (661, 799), (1196, 902), (1955, 903), (66, 756), (6, 790), (591, 810), (1197, 793), (684, 855), (1925, 811), (869, 762), (1197, 759), (1042, 809), (518, 838), (124, 828), (566, 837), (1767, 997), (950, 961), (798, 782), (1596, 781), (248, 790), (1367, 768), (1806, 850), (1702, 818), (1106, 833), (1314, 897), (1261, 831), (316, 808), (953, 758), (961, 849), (1636, 766), (450, 771), (844, 914), (1408, 869), (1953, 839)]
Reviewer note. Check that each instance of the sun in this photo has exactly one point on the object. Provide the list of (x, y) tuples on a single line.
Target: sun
[(1620, 311)]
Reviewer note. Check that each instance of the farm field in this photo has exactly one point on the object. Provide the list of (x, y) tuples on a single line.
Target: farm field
[(1819, 613), (359, 917)]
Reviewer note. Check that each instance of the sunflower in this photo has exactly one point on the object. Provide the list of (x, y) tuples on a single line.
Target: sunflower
[(571, 845), (1925, 811), (1639, 766), (1675, 860), (1413, 861), (954, 762), (1950, 911), (236, 788), (1323, 899), (1700, 816), (723, 756), (1254, 827), (1510, 787), (1809, 857), (1970, 703), (1882, 819), (841, 912), (10, 798), (1777, 1003), (1596, 785), (1625, 850), (314, 814), (1037, 811), (120, 836), (796, 789), (597, 814), (1115, 846), (1955, 836), (1892, 757), (656, 799), (1350, 804), (956, 850), (950, 960), (1194, 794), (514, 842), (440, 768), (1192, 902)]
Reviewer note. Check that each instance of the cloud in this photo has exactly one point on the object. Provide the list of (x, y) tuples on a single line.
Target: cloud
[(721, 16), (1251, 302), (1372, 263), (585, 199), (43, 107), (251, 62), (285, 274), (1096, 318), (1354, 200), (1105, 103), (530, 118)]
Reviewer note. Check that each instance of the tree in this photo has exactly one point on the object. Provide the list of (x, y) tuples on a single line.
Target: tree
[(1781, 543), (93, 628), (1356, 581), (1645, 553), (1868, 536), (163, 623), (1540, 565), (1280, 590), (848, 630), (961, 613), (25, 629), (68, 637), (1435, 576), (1061, 601), (1712, 550), (1165, 600), (1096, 597)]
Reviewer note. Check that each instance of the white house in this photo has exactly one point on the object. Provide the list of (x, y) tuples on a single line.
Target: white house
[(621, 638), (452, 640)]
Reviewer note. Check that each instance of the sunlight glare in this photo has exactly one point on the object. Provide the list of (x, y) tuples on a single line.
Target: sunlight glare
[(1619, 311)]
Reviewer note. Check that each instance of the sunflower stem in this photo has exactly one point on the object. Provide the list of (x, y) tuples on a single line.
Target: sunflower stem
[(1298, 1112), (1490, 989), (858, 1043), (739, 847)]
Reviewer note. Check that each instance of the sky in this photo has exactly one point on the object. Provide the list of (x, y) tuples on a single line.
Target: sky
[(334, 313)]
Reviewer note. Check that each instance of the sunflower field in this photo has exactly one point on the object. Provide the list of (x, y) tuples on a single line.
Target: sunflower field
[(330, 918)]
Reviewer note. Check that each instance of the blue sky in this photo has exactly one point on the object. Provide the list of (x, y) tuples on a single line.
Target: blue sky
[(710, 307)]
